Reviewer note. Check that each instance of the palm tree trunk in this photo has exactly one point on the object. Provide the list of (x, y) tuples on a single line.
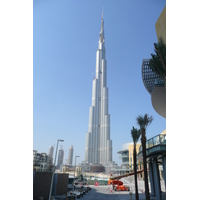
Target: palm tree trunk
[(135, 174), (143, 141)]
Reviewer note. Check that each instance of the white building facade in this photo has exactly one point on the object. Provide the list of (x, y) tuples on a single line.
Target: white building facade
[(70, 155), (51, 149), (60, 157)]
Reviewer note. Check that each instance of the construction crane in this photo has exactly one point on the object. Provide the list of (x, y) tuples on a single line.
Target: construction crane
[(118, 185)]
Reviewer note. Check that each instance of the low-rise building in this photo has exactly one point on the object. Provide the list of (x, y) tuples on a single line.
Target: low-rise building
[(41, 161), (127, 158)]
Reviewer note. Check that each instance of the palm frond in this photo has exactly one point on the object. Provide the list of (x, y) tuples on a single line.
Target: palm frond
[(145, 121), (140, 121), (135, 133), (158, 60)]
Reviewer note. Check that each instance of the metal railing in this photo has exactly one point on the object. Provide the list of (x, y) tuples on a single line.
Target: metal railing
[(156, 140)]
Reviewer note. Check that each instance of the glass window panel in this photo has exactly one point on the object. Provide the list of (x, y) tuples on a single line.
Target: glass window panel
[(150, 143), (156, 140), (163, 139)]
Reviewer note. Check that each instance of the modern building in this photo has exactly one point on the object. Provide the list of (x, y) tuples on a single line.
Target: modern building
[(41, 161), (98, 146), (161, 25), (156, 146), (153, 82), (51, 149), (60, 157), (126, 155), (70, 155), (131, 158), (156, 159)]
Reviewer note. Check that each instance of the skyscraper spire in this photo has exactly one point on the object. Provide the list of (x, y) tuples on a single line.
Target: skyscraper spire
[(101, 34)]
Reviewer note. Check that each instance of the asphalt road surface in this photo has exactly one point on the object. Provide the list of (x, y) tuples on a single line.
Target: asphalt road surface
[(105, 192)]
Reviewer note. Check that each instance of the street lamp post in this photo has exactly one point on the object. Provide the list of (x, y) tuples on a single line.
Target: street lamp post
[(74, 172), (90, 169), (54, 169)]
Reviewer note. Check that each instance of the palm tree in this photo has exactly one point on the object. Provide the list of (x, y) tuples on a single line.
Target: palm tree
[(158, 61), (135, 135), (144, 122)]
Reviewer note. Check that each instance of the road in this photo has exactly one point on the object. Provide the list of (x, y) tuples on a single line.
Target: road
[(105, 192)]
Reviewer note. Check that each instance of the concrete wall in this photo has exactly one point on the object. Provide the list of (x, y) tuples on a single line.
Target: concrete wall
[(60, 186), (41, 184)]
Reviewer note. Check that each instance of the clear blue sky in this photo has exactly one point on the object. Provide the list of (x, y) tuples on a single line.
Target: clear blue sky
[(65, 40)]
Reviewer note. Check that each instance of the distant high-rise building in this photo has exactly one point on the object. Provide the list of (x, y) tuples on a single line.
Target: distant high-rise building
[(51, 149), (60, 157), (70, 155), (98, 147)]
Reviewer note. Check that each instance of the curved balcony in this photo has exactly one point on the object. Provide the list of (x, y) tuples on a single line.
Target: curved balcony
[(155, 147), (154, 84), (158, 98)]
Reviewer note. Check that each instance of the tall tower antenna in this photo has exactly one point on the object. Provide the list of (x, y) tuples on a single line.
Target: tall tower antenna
[(101, 34)]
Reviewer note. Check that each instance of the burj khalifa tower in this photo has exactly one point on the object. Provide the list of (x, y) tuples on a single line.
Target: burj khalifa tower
[(98, 147)]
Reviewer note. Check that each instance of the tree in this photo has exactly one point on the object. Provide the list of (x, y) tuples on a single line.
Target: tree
[(144, 122), (158, 61), (135, 135), (81, 176)]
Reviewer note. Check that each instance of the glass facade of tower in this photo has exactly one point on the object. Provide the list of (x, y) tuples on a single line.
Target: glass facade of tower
[(98, 146)]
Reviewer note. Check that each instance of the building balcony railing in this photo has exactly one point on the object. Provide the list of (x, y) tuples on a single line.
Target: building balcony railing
[(156, 140), (155, 147)]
